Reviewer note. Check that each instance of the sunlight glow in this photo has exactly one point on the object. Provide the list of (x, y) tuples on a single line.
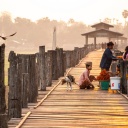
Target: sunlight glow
[(87, 11)]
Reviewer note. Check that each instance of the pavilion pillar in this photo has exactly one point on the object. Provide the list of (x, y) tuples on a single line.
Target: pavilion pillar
[(94, 42), (86, 40)]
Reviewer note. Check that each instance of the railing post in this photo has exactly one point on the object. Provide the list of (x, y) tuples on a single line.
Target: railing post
[(54, 65), (49, 68), (25, 84), (64, 61), (3, 116), (37, 70), (14, 98), (72, 59), (125, 78), (68, 59), (122, 76), (24, 79), (42, 67), (76, 55), (32, 96), (61, 62)]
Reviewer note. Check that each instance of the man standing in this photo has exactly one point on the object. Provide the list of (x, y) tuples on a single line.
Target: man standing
[(107, 57)]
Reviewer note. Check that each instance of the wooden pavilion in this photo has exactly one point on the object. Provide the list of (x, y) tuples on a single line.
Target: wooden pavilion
[(102, 30)]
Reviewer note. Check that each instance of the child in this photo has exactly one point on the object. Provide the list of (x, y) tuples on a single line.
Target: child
[(86, 79), (125, 55)]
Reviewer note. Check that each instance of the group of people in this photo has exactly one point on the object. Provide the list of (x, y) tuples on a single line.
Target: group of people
[(86, 79)]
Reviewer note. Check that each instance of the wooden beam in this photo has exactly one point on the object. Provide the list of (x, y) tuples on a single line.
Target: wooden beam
[(94, 42)]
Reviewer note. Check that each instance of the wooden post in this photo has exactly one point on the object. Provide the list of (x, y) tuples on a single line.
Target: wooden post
[(76, 55), (81, 56), (94, 42), (37, 69), (86, 39), (25, 79), (121, 70), (125, 78), (123, 87), (42, 67), (25, 85), (68, 59), (54, 65), (49, 68), (3, 116), (78, 52), (33, 87), (64, 61), (72, 59), (3, 121), (2, 86), (61, 62), (81, 53), (14, 98), (86, 49)]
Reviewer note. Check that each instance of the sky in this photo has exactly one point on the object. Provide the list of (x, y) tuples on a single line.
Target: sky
[(86, 11)]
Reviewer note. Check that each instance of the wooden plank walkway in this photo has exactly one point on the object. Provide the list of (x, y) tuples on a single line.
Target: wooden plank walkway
[(78, 108)]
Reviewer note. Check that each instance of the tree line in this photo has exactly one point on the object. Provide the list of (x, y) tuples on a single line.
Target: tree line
[(31, 34)]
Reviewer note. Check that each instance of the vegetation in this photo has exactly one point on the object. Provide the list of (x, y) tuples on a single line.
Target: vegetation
[(30, 34)]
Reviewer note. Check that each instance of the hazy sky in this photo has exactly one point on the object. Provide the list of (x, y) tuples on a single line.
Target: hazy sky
[(87, 11)]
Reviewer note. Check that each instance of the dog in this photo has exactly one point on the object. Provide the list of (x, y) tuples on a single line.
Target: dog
[(69, 79)]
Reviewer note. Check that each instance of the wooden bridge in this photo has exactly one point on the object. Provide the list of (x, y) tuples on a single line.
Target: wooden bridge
[(58, 108)]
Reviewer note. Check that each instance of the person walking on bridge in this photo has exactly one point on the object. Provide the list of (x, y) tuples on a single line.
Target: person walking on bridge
[(107, 57)]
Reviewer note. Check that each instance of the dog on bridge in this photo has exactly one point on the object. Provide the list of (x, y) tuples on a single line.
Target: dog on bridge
[(69, 79)]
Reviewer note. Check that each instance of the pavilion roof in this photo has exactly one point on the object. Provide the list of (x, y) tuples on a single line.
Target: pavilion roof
[(102, 33), (97, 24)]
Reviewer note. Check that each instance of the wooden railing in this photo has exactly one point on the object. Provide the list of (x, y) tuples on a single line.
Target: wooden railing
[(29, 72), (124, 77)]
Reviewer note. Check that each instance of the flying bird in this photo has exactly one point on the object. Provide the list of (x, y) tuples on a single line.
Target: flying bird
[(5, 37)]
